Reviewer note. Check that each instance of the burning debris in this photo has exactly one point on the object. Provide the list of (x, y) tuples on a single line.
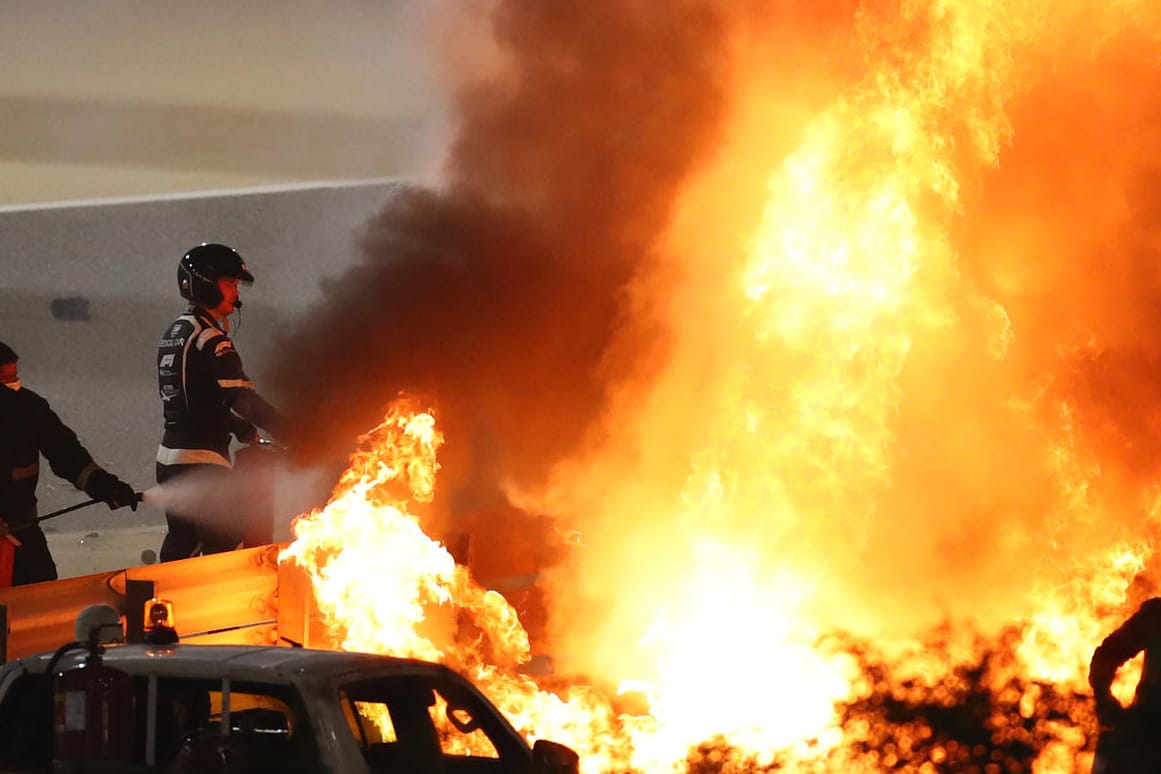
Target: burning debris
[(808, 320), (979, 717), (983, 715)]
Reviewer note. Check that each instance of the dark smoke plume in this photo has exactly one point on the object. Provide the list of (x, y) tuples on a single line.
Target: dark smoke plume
[(496, 296)]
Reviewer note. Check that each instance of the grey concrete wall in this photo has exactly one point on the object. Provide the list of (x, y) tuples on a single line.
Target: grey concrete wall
[(121, 97), (121, 256)]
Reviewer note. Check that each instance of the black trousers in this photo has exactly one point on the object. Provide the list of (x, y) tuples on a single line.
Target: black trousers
[(1131, 748), (200, 522), (33, 561)]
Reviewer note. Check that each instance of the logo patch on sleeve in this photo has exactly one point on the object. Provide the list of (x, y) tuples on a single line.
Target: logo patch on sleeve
[(224, 347)]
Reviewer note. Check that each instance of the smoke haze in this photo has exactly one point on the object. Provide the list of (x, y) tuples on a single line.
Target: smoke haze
[(496, 295)]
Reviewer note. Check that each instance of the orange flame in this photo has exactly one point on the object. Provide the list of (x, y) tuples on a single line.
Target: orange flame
[(374, 570), (852, 432), (382, 586)]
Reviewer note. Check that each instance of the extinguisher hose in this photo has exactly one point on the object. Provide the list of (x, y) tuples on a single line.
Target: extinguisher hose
[(60, 653), (63, 511)]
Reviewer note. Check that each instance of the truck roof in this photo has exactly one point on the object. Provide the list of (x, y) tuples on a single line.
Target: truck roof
[(244, 662)]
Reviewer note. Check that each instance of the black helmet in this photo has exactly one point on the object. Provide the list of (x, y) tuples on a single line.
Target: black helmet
[(199, 270)]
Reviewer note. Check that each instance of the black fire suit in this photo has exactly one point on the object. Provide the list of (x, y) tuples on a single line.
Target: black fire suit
[(1130, 738), (29, 428), (206, 396)]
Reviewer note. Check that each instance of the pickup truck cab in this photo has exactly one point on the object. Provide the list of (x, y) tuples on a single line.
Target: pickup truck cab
[(219, 708)]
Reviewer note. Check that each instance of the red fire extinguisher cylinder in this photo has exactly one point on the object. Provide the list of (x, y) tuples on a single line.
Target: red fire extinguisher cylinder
[(94, 717)]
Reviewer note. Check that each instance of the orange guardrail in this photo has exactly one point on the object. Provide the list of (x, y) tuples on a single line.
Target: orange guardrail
[(227, 597)]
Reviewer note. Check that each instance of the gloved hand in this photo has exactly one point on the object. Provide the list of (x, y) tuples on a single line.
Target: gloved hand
[(112, 491)]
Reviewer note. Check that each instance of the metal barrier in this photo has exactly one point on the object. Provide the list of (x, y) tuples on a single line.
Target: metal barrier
[(230, 597)]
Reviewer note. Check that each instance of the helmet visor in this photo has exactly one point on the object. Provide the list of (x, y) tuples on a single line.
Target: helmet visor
[(242, 274)]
